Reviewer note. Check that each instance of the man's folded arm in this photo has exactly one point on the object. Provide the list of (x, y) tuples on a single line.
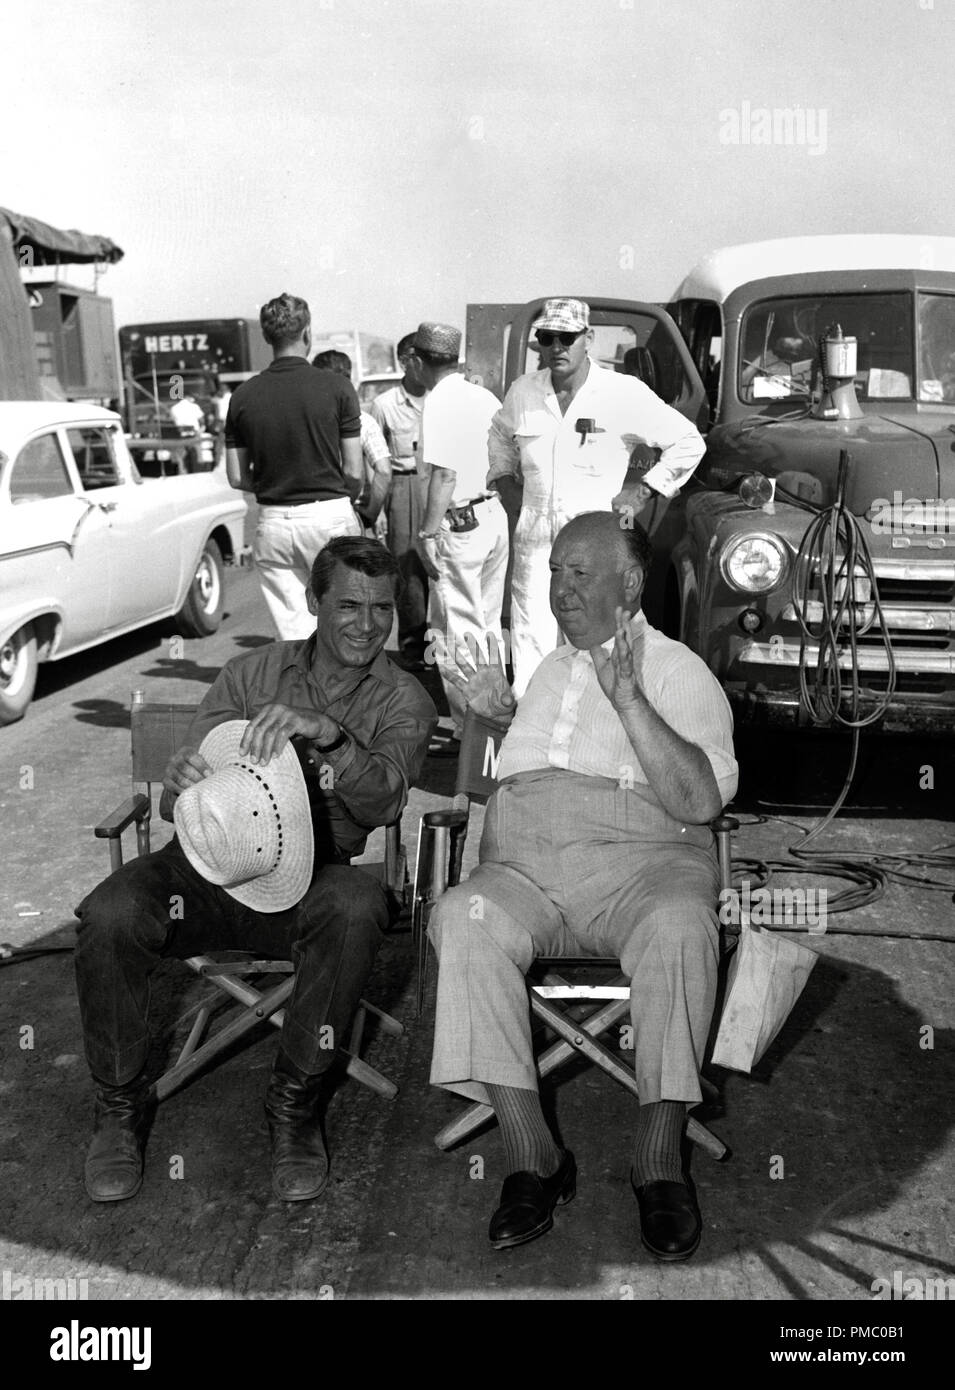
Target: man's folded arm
[(372, 780)]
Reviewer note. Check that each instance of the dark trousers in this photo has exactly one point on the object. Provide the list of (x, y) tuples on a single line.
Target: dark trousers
[(158, 906), (404, 512)]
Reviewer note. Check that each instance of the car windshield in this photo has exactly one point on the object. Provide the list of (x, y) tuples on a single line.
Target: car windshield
[(936, 347), (779, 338)]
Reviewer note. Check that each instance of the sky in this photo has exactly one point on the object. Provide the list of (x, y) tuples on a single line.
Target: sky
[(393, 160)]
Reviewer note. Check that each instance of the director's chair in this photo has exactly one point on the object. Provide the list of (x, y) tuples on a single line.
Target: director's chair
[(577, 1013), (156, 732)]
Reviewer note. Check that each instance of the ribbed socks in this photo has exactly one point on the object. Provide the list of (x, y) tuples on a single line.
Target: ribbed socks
[(656, 1155), (528, 1143)]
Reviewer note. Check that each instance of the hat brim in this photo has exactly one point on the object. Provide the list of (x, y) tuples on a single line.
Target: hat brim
[(288, 882), (559, 326)]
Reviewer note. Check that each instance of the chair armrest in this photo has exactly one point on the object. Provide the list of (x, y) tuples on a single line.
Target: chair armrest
[(135, 809)]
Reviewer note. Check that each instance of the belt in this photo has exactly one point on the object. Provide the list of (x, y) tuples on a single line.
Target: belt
[(294, 506)]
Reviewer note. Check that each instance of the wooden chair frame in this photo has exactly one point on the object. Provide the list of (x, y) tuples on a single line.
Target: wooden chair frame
[(156, 732), (592, 1009)]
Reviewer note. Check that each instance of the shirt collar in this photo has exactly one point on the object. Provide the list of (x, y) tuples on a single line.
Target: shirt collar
[(567, 651), (416, 402), (286, 364), (302, 657)]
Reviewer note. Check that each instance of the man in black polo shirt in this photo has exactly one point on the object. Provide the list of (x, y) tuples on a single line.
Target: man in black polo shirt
[(293, 437)]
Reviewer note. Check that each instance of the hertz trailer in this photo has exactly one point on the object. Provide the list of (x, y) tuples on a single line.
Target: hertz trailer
[(165, 361)]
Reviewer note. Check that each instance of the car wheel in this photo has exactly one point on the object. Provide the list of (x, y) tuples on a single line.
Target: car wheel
[(18, 664), (201, 613)]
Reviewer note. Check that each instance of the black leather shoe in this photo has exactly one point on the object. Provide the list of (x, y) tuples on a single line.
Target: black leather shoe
[(293, 1106), (528, 1202), (114, 1160), (670, 1223)]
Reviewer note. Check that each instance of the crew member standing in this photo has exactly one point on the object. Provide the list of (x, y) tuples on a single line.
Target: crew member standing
[(375, 454), (293, 437), (463, 534), (398, 412), (568, 432)]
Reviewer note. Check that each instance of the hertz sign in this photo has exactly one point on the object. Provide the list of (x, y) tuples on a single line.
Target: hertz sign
[(176, 342), (233, 346)]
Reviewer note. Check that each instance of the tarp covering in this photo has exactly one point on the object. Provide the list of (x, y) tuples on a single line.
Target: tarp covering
[(46, 245), (51, 246), (19, 375)]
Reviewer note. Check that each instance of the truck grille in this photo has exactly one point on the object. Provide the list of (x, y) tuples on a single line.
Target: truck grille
[(917, 590), (915, 581)]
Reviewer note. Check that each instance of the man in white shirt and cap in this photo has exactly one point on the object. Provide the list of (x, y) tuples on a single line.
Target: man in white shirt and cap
[(566, 434), (463, 533)]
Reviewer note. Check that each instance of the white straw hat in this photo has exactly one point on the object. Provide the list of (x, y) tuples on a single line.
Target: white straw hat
[(247, 826)]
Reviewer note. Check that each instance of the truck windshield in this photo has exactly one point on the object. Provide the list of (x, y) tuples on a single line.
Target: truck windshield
[(779, 345), (936, 347)]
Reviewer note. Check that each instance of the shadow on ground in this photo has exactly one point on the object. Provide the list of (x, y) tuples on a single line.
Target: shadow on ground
[(847, 1108)]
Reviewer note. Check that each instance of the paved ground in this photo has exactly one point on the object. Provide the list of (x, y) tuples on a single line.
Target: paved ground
[(842, 1162)]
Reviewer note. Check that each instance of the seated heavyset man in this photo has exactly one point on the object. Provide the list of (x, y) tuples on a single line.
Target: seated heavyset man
[(362, 727), (595, 842)]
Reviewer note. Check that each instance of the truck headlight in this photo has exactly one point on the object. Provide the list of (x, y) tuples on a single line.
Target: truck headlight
[(755, 562)]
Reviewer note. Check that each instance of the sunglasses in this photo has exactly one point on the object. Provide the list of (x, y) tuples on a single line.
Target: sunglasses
[(546, 338)]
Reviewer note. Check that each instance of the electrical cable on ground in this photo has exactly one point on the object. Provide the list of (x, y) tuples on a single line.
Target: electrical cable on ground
[(833, 561)]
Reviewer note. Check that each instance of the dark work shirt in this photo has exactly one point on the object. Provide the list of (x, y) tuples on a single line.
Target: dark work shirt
[(291, 418), (386, 714)]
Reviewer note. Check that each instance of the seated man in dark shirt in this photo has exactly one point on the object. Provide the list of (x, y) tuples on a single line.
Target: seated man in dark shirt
[(362, 727)]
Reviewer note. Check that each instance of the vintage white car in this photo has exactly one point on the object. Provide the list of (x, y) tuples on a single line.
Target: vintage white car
[(90, 549)]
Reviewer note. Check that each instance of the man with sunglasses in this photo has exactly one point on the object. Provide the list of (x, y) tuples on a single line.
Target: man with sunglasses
[(561, 444)]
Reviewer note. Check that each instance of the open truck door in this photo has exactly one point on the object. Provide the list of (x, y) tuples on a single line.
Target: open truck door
[(629, 336)]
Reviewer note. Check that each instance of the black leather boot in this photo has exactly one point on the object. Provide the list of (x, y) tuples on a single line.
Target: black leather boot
[(293, 1108), (114, 1161)]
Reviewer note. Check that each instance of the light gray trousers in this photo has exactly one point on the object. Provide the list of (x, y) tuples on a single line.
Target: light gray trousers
[(574, 865)]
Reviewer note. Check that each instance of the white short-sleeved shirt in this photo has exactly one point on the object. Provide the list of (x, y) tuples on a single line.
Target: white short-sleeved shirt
[(565, 720), (455, 421)]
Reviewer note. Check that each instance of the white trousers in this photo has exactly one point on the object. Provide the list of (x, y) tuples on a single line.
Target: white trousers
[(287, 539), (534, 630), (465, 601)]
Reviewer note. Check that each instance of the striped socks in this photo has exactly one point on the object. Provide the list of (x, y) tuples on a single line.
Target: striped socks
[(656, 1155), (528, 1143)]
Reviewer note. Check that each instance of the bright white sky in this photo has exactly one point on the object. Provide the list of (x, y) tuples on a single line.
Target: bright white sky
[(393, 159)]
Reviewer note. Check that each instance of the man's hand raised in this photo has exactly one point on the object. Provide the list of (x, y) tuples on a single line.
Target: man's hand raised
[(616, 674), (483, 685)]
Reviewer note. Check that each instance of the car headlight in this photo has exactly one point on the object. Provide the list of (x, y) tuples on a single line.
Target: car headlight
[(754, 563)]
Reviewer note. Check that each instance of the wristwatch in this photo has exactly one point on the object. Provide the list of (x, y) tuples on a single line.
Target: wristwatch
[(336, 742), (427, 535)]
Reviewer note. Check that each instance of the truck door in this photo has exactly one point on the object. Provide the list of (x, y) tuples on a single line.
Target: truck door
[(640, 339)]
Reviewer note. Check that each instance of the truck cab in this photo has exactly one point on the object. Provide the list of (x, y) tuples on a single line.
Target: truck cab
[(755, 319), (740, 352)]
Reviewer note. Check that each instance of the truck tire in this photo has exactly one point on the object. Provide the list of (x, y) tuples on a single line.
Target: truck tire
[(201, 613), (18, 663)]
